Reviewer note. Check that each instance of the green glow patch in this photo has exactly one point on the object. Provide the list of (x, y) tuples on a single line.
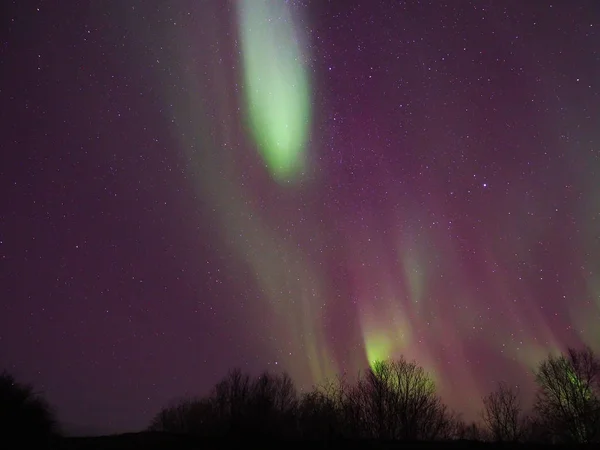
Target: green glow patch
[(378, 347), (385, 335), (276, 85)]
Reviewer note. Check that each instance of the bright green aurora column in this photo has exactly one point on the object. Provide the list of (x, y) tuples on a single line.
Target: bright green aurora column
[(276, 85)]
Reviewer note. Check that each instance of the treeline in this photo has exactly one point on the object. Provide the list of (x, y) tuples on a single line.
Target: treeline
[(395, 400)]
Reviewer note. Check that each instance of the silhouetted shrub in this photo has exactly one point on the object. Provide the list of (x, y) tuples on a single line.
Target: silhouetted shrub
[(25, 417)]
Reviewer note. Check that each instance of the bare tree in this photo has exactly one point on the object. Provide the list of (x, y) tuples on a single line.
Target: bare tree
[(503, 414), (347, 403), (25, 416), (272, 405), (237, 405), (568, 398), (318, 416), (230, 398), (186, 416), (469, 431), (398, 401), (264, 405), (537, 432), (170, 419)]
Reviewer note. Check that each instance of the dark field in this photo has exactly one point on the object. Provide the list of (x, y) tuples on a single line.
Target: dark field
[(159, 441)]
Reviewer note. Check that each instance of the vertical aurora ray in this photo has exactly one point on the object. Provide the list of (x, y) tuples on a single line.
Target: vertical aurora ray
[(415, 278), (276, 85), (386, 329), (281, 270), (384, 317)]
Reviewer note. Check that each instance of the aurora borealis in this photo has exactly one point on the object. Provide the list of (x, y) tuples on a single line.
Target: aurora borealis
[(275, 83), (307, 186)]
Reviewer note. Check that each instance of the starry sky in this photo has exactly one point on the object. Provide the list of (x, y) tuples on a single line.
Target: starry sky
[(192, 186)]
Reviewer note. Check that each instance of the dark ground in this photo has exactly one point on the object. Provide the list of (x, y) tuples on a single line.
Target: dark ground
[(151, 441)]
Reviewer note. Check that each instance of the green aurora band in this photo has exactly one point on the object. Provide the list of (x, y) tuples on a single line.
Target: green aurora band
[(276, 86)]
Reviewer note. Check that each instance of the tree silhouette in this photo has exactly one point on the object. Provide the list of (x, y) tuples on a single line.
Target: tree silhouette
[(194, 416), (568, 397), (393, 400), (230, 399), (237, 405), (331, 410), (318, 416), (263, 406), (25, 417), (503, 414), (469, 431), (397, 400), (271, 407)]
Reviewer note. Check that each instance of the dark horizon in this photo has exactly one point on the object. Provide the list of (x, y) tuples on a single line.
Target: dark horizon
[(303, 187)]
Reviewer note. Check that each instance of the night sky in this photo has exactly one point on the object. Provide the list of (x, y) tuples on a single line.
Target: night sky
[(192, 186)]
